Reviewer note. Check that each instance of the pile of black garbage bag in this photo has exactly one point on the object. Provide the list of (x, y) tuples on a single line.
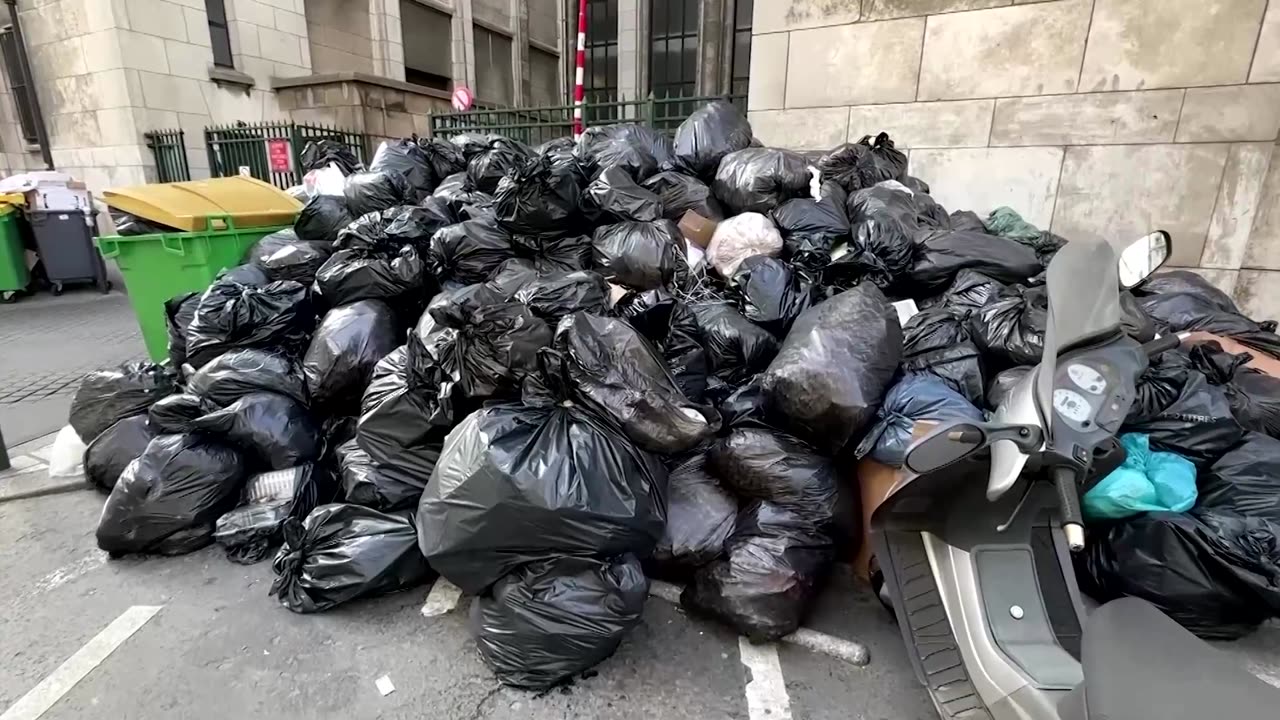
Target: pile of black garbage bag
[(506, 366)]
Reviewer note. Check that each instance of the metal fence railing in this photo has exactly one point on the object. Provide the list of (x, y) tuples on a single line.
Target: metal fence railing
[(169, 149), (536, 125), (271, 151)]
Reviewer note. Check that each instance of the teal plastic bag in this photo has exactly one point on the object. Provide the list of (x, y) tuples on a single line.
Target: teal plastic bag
[(1148, 481)]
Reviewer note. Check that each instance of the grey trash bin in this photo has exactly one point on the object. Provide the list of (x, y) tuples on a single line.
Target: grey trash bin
[(64, 240)]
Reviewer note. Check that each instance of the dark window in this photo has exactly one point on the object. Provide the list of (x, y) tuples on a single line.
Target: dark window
[(218, 33), (673, 62), (494, 81), (26, 115), (428, 58), (741, 51), (600, 76)]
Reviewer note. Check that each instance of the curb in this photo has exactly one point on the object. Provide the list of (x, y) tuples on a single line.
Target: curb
[(60, 488)]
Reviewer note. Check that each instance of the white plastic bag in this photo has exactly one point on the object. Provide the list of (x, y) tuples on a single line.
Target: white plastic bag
[(741, 237), (66, 456)]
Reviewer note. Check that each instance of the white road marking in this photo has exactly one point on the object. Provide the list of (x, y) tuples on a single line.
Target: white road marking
[(443, 598), (767, 697), (67, 573), (1269, 674), (43, 696)]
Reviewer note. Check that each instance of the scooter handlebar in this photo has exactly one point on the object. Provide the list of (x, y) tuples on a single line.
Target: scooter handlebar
[(1162, 344), (1064, 480)]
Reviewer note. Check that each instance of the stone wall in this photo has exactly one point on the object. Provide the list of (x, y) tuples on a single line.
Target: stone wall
[(339, 34), (1091, 117), (381, 107)]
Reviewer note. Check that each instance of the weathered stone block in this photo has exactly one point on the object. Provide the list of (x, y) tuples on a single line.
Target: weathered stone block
[(1122, 192), (964, 123), (142, 52), (812, 129), (1231, 114), (166, 92), (1093, 119), (61, 58), (886, 9), (1019, 50), (162, 19), (188, 60), (768, 84), (774, 15), (1266, 59), (1237, 205), (1257, 294), (854, 64), (1137, 44), (1264, 240), (982, 179), (197, 25), (280, 47)]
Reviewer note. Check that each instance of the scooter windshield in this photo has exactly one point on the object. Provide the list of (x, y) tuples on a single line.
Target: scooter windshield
[(1084, 304)]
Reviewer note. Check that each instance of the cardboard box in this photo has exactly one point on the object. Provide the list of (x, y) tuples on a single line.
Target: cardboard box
[(697, 229)]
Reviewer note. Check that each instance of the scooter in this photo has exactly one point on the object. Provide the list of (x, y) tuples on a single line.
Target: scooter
[(975, 540)]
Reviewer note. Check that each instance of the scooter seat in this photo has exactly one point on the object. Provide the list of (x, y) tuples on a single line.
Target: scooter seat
[(1140, 665)]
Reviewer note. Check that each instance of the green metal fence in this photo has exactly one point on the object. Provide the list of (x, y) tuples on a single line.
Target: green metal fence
[(270, 151), (536, 125), (170, 151)]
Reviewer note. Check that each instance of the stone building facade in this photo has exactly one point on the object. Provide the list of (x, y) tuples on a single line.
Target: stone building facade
[(1091, 117)]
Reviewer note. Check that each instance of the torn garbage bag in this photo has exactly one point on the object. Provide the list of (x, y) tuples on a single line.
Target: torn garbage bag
[(344, 350), (616, 197), (556, 295), (638, 150), (553, 619), (106, 396), (912, 399), (700, 517), (405, 157), (640, 255), (680, 193), (470, 251), (235, 374), (398, 277), (538, 198), (941, 254), (346, 552), (364, 483), (1181, 412), (773, 294), (167, 500), (231, 316), (835, 366), (740, 237), (111, 452), (536, 480), (760, 179), (615, 371), (1254, 395), (1216, 574), (736, 347), (936, 342), (673, 329), (275, 432), (1147, 481), (321, 219), (1244, 481), (368, 192), (707, 135), (1011, 327), (500, 156)]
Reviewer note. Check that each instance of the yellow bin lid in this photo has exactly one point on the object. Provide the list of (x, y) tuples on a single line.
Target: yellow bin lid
[(187, 205)]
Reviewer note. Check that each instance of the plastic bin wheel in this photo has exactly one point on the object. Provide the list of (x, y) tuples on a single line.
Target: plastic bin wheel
[(57, 288)]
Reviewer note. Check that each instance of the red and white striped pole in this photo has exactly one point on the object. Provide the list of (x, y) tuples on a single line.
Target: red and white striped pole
[(579, 93)]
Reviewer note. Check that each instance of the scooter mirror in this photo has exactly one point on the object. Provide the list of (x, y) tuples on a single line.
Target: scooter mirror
[(1144, 257), (945, 446)]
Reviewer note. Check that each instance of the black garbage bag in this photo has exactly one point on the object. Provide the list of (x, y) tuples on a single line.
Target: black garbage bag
[(233, 375), (736, 347), (456, 191), (130, 225), (415, 225), (404, 156), (640, 255), (760, 179), (637, 149), (298, 262), (616, 372), (470, 251), (175, 414), (556, 295), (369, 232), (884, 220), (616, 198), (914, 398), (1178, 312), (811, 228), (274, 431), (346, 552), (763, 464), (471, 144), (399, 425), (673, 329), (107, 396), (835, 366), (1135, 321), (250, 275), (1245, 481), (251, 532), (269, 245), (970, 292), (773, 295), (322, 218), (167, 500), (700, 516), (231, 316), (1182, 413), (1186, 282), (941, 254), (562, 254), (179, 311), (937, 342), (368, 192), (1003, 382), (707, 135), (501, 156), (553, 619), (775, 563), (1216, 574), (537, 198), (679, 193), (443, 156), (488, 509), (319, 154), (344, 350), (864, 163), (112, 451), (399, 278), (1011, 328), (1254, 395), (364, 483)]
